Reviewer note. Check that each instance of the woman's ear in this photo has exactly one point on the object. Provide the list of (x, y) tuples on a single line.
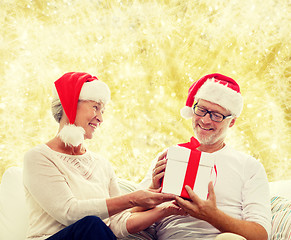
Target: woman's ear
[(64, 119)]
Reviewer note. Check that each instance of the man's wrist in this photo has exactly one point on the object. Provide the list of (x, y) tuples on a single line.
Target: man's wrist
[(152, 187), (215, 217)]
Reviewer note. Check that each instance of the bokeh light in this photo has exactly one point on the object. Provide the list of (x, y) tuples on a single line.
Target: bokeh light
[(149, 53)]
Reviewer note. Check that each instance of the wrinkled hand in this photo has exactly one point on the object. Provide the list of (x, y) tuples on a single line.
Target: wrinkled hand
[(171, 208), (150, 198), (159, 171), (198, 208)]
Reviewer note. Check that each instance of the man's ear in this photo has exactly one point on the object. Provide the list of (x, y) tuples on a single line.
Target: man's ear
[(232, 122)]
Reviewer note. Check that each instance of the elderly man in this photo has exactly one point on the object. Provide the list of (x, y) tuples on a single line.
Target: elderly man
[(238, 205)]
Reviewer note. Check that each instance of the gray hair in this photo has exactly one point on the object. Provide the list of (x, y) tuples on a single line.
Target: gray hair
[(57, 109)]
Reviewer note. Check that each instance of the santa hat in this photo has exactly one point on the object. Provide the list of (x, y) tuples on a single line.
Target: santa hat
[(216, 88), (72, 87)]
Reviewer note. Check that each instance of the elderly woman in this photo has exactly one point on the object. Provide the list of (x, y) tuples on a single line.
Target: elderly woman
[(72, 192)]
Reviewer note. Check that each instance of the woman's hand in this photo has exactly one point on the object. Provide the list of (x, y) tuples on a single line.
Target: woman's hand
[(140, 220), (140, 200), (159, 171), (148, 199), (171, 208)]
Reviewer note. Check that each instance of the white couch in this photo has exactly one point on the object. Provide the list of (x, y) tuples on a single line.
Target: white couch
[(14, 215)]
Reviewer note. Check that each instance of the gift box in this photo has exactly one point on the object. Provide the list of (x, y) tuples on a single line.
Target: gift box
[(187, 167)]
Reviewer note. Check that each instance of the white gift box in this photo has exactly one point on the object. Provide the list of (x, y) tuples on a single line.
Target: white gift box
[(187, 167)]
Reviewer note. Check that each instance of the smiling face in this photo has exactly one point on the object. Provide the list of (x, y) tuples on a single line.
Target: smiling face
[(89, 116), (211, 134)]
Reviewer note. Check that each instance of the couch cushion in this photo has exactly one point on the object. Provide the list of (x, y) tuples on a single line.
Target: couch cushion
[(281, 218), (126, 186), (281, 188), (13, 210)]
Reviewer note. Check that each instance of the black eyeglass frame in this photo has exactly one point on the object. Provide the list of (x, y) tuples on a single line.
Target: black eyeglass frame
[(210, 113)]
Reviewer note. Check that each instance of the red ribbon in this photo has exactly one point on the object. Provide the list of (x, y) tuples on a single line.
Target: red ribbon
[(192, 167), (191, 172), (193, 144)]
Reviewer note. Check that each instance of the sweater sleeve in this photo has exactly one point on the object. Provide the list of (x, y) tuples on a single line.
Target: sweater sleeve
[(117, 221), (49, 189), (256, 196)]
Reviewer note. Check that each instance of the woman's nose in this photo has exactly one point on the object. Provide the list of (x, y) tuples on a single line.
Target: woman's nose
[(99, 117)]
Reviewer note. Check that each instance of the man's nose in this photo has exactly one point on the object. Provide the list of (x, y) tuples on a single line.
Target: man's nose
[(206, 118)]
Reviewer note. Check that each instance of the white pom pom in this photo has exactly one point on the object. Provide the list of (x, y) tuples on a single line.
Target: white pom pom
[(187, 112), (72, 135)]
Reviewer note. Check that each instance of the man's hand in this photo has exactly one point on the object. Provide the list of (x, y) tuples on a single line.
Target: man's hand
[(198, 208), (159, 171), (208, 211)]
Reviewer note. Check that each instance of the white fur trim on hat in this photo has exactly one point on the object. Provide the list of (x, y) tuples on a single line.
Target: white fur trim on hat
[(187, 112), (96, 90), (72, 135), (222, 95)]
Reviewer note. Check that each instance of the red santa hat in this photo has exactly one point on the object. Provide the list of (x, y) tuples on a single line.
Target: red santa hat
[(216, 88), (72, 87)]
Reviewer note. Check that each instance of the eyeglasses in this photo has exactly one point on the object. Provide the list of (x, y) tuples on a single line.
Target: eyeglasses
[(214, 116)]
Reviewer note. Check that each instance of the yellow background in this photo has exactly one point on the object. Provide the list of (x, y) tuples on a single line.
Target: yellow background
[(149, 53)]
